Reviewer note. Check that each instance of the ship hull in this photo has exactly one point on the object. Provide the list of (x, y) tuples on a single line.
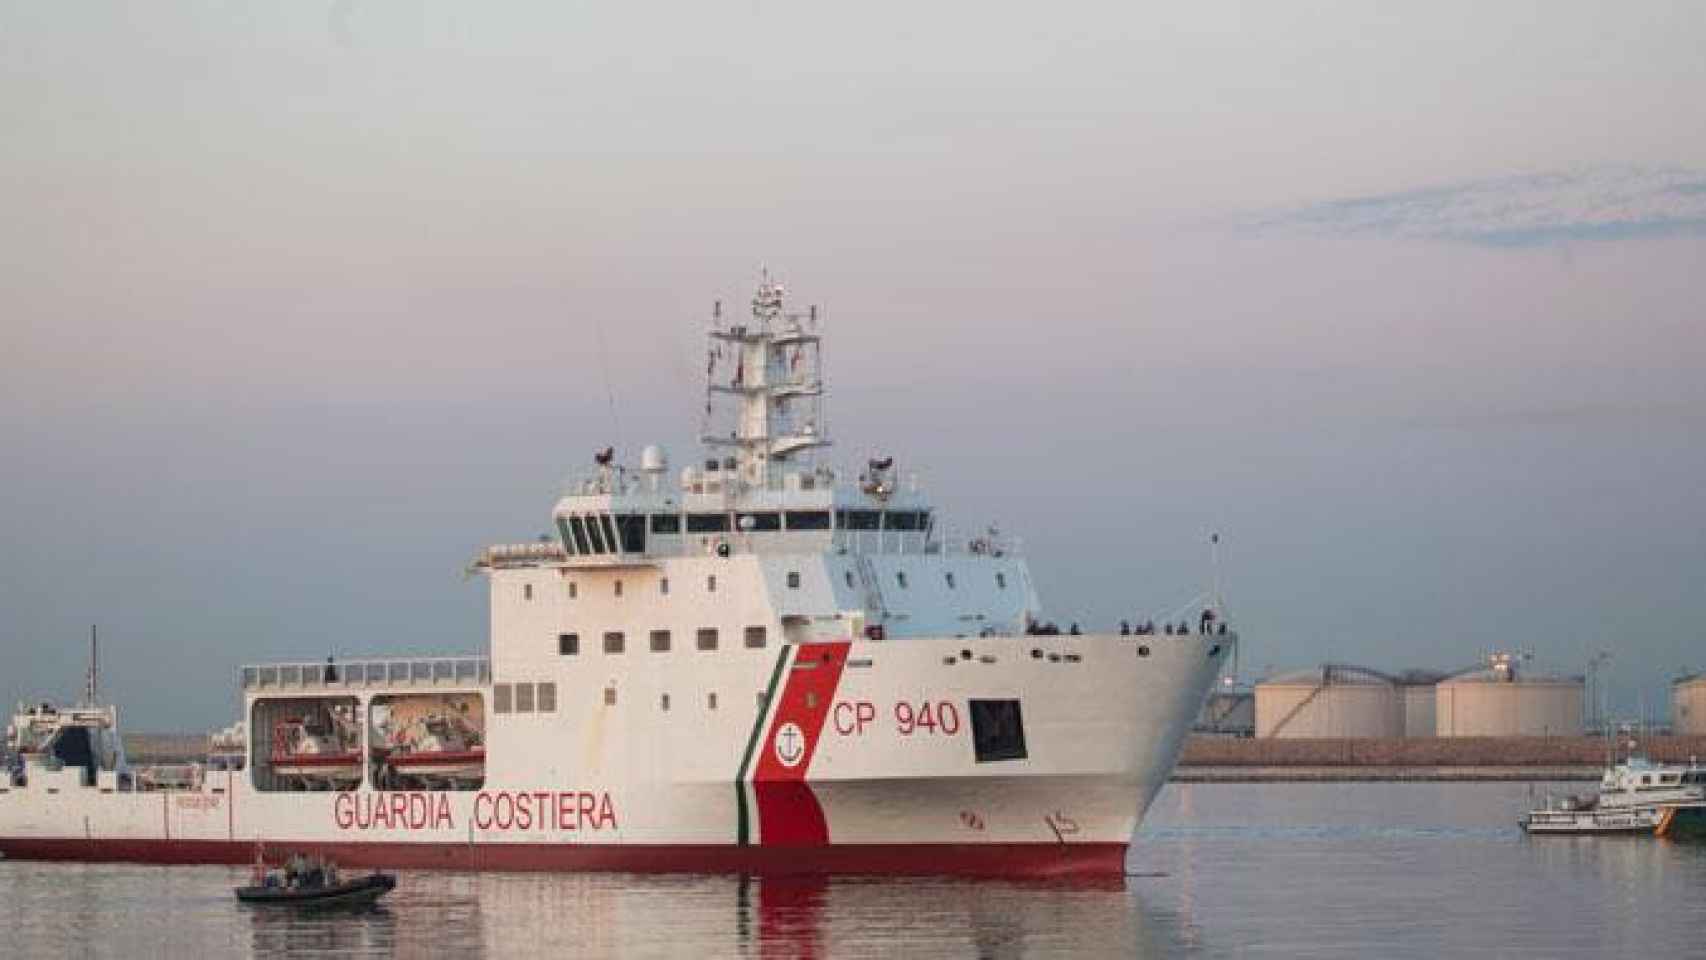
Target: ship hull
[(1013, 861), (856, 758)]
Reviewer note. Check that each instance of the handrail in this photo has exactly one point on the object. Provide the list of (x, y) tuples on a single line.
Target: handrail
[(374, 672)]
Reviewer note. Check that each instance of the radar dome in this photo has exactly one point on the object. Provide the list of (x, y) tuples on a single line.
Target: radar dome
[(653, 459)]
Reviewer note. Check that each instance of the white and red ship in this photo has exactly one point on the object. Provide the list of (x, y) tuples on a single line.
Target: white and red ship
[(754, 664)]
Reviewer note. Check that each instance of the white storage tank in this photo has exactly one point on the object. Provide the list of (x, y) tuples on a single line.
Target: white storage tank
[(1494, 701), (1229, 711), (1688, 706), (1333, 701), (1416, 691)]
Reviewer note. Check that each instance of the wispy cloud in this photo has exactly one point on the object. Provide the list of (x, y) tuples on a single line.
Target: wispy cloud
[(1527, 210)]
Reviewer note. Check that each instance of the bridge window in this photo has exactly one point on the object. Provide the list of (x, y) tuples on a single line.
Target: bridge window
[(568, 538), (614, 641), (707, 523), (666, 523), (609, 533), (859, 519), (593, 534), (578, 528), (633, 529), (903, 520), (808, 519), (568, 644), (706, 638), (660, 641), (766, 522), (755, 637)]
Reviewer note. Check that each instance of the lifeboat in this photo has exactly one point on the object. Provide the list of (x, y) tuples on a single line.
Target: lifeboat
[(437, 750), (313, 754)]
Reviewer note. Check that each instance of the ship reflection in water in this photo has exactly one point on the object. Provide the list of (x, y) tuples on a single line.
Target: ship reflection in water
[(613, 915)]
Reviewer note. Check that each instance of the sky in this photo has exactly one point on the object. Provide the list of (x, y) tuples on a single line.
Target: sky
[(303, 304)]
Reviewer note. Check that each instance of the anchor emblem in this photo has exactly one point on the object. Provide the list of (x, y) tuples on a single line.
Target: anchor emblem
[(790, 745)]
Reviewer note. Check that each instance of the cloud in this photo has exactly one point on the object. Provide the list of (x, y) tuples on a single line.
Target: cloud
[(1528, 210)]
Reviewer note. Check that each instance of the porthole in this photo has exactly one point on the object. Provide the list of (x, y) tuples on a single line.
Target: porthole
[(1143, 650), (527, 591), (618, 588), (711, 583), (573, 592)]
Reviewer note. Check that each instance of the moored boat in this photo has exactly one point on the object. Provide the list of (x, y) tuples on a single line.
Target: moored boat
[(1636, 797)]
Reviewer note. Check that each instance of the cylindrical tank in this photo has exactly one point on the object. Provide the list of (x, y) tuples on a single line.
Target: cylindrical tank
[(1332, 701), (1230, 711), (1495, 702), (1416, 691), (1688, 706)]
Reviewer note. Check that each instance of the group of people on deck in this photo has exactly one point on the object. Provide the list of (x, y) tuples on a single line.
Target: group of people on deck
[(1207, 624)]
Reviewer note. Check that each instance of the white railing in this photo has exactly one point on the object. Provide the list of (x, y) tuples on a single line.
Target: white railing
[(357, 674), (658, 546)]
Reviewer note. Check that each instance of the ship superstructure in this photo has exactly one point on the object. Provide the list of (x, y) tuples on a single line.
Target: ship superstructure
[(756, 663)]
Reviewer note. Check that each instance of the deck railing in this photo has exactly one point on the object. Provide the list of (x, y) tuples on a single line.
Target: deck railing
[(360, 674)]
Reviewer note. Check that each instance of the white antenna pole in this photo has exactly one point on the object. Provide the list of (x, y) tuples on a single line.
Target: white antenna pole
[(91, 687)]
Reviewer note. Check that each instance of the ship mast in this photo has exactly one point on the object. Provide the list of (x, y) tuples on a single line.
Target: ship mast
[(774, 383)]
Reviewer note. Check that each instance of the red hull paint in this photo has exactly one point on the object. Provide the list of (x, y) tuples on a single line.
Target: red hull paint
[(1014, 860)]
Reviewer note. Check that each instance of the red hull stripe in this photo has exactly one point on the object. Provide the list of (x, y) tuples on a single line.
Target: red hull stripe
[(1012, 860), (788, 812)]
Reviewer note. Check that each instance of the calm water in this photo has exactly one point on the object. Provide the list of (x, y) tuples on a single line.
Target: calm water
[(1279, 870)]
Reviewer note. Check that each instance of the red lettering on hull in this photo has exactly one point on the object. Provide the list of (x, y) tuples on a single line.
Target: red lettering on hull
[(392, 811)]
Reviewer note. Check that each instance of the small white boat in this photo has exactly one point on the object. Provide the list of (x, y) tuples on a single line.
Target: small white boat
[(1637, 796)]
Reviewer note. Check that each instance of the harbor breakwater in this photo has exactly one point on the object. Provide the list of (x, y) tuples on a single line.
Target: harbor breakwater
[(1210, 758)]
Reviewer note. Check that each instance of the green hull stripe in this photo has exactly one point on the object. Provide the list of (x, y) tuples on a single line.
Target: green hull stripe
[(743, 835)]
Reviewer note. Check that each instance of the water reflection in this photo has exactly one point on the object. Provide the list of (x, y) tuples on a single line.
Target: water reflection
[(351, 932)]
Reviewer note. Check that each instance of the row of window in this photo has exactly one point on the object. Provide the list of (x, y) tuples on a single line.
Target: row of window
[(524, 698), (605, 533), (793, 583), (660, 641)]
